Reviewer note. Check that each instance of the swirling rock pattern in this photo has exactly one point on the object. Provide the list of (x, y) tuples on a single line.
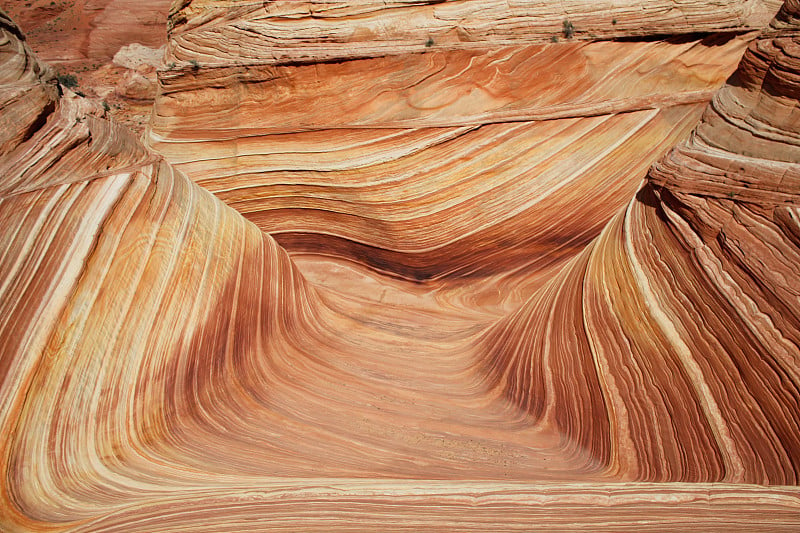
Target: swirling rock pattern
[(165, 364), (681, 317), (416, 151)]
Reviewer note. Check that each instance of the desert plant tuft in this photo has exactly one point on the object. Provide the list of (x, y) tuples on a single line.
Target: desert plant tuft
[(67, 80), (568, 29)]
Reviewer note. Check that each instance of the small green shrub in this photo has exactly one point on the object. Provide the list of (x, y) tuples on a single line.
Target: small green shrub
[(568, 29), (68, 80)]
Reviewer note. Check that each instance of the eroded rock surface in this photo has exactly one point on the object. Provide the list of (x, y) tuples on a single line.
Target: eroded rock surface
[(84, 33), (80, 38), (430, 157), (589, 357)]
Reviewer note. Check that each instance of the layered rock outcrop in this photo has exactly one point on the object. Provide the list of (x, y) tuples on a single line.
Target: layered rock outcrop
[(421, 137), (255, 33), (165, 363), (680, 318)]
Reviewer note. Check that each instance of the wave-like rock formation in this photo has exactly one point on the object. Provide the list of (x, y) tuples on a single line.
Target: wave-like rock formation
[(681, 318), (165, 364), (423, 138)]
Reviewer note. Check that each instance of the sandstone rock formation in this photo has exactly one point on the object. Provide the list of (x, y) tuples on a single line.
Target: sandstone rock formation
[(79, 33), (79, 38), (691, 292), (139, 80), (252, 32), (165, 363), (422, 151)]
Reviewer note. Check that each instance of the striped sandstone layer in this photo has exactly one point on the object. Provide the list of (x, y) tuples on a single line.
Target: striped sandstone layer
[(252, 32), (166, 365), (423, 138), (681, 318)]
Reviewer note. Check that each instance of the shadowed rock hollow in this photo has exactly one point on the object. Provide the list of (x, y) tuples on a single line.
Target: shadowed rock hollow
[(394, 266)]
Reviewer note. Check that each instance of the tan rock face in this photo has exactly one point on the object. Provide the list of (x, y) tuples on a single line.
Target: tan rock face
[(319, 30), (136, 56), (137, 86), (256, 358)]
